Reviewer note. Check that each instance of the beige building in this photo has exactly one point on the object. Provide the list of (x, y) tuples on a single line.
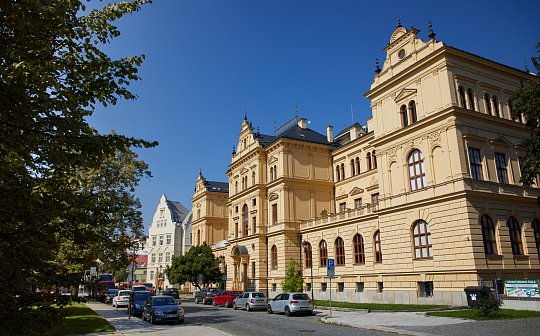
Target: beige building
[(421, 203)]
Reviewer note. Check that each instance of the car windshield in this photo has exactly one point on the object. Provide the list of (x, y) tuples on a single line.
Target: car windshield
[(112, 291), (300, 297), (141, 296), (258, 295), (124, 293), (172, 290), (164, 301)]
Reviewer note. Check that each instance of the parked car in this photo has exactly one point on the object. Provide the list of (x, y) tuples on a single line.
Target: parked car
[(138, 299), (121, 299), (172, 292), (110, 294), (135, 288), (205, 295), (225, 298), (250, 301), (148, 285), (290, 303), (162, 308)]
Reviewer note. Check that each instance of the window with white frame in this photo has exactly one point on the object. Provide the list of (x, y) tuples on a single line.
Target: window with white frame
[(167, 256), (417, 174), (168, 239)]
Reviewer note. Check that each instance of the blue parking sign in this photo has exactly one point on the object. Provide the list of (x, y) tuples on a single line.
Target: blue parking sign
[(330, 264)]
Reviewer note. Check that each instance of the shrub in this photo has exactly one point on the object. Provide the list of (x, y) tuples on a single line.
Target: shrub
[(488, 307)]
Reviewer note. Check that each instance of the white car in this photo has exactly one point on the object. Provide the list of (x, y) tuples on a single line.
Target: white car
[(250, 301), (121, 299), (290, 303)]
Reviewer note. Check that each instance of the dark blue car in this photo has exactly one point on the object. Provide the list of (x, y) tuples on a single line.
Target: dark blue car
[(138, 298)]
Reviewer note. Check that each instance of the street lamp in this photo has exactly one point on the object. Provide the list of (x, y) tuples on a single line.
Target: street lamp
[(307, 247)]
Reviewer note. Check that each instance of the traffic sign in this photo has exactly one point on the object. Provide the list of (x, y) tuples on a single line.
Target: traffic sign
[(330, 269), (131, 277), (132, 267)]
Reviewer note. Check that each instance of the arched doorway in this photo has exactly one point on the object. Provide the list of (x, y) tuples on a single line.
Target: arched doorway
[(240, 257)]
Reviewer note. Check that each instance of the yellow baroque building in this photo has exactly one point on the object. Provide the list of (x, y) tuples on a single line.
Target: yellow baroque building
[(421, 203)]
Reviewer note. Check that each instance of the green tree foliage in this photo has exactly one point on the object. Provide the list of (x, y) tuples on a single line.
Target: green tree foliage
[(293, 278), (526, 103), (488, 307), (199, 260), (66, 191)]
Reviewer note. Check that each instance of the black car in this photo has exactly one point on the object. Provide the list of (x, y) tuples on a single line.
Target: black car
[(172, 292), (138, 299), (206, 295), (162, 308)]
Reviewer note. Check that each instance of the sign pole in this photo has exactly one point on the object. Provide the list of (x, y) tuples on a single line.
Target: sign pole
[(330, 272), (330, 297)]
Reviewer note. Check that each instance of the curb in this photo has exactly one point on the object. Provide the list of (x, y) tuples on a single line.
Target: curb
[(378, 328)]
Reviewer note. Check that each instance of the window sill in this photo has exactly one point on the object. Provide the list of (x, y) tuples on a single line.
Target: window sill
[(420, 259), (494, 256), (521, 257)]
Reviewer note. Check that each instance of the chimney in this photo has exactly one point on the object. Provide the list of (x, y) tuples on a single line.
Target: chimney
[(329, 133), (302, 122), (354, 133)]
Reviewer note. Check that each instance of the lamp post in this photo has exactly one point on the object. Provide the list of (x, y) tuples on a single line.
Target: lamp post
[(307, 246)]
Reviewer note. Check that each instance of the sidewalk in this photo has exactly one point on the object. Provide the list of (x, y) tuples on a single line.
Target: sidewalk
[(395, 322), (135, 326)]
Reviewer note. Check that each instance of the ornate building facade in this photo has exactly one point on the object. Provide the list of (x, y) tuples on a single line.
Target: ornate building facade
[(422, 202), (169, 235)]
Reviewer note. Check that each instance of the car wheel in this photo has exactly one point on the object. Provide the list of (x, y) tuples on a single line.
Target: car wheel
[(196, 300), (248, 308), (227, 305), (287, 311), (152, 319), (234, 306), (269, 309), (214, 303), (180, 321)]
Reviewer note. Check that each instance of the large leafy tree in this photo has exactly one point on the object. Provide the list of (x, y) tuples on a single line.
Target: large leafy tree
[(66, 191), (526, 103), (198, 266), (293, 278)]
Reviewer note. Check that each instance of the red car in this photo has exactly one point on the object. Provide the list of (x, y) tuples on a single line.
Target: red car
[(225, 298)]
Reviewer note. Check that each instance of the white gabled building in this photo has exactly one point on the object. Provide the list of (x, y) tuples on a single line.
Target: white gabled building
[(169, 235)]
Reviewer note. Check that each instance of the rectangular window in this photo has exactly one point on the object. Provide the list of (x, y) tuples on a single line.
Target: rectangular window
[(153, 240), (375, 198), (254, 224), (476, 163), (168, 239), (274, 214), (357, 203), (359, 287), (153, 258), (500, 162), (340, 286), (274, 287), (160, 257), (236, 233), (160, 240), (151, 276), (380, 287), (308, 286), (254, 202), (342, 207), (253, 270), (425, 288), (323, 286), (167, 256), (236, 209)]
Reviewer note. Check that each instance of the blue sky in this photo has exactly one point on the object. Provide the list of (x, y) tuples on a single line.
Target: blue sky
[(209, 61)]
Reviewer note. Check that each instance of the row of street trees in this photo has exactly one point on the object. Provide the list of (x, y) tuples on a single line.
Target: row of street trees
[(67, 192)]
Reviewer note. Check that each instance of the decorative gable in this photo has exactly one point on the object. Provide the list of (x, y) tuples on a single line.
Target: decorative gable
[(404, 93), (356, 191)]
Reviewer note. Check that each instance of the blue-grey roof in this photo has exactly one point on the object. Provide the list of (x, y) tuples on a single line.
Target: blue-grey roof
[(216, 186), (348, 129), (178, 211), (304, 134)]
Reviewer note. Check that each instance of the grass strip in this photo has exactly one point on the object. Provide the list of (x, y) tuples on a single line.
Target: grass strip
[(79, 319), (502, 314), (378, 306)]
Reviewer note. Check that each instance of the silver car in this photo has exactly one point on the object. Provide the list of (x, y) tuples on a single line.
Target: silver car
[(290, 303), (250, 301)]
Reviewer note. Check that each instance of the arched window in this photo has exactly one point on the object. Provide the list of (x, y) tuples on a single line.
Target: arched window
[(342, 171), (488, 234), (357, 165), (404, 116), (253, 178), (236, 186), (368, 161), (536, 232), (274, 257), (353, 171), (422, 240), (374, 159), (377, 246), (487, 102), (515, 236), (470, 97), (198, 213), (323, 254), (275, 172), (495, 106), (271, 173), (245, 220), (412, 111), (417, 177), (461, 94), (338, 178), (308, 255), (340, 251), (359, 254), (198, 237)]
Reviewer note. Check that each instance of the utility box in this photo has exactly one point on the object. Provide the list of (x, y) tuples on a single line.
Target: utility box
[(475, 293)]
